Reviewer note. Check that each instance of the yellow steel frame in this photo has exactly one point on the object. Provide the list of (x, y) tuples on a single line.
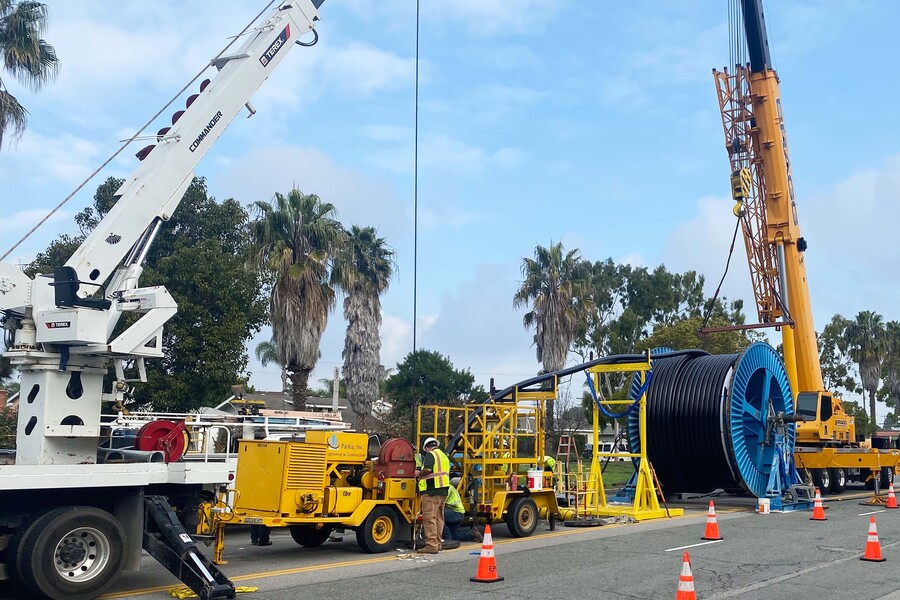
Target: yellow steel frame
[(493, 434), (646, 500)]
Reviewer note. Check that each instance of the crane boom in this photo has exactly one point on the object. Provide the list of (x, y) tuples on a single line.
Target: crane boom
[(65, 333), (762, 185)]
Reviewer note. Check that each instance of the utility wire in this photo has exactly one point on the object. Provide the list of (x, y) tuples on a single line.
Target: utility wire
[(416, 189)]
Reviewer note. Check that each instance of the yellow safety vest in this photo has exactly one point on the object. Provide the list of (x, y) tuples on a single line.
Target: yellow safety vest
[(454, 501), (549, 463), (440, 475)]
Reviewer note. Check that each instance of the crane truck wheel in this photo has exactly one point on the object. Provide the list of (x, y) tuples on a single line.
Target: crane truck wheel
[(822, 480), (522, 517), (887, 477), (379, 531), (71, 553), (838, 480), (310, 536)]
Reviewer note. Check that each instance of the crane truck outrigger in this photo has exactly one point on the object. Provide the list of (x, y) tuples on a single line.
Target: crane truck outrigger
[(762, 186), (71, 516)]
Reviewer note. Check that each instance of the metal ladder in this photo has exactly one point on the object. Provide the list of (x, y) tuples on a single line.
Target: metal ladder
[(564, 451)]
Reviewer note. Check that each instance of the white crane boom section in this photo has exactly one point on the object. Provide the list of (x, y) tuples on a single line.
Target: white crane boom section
[(156, 187)]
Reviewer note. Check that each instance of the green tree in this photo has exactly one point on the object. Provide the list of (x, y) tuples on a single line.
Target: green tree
[(865, 342), (864, 425), (837, 366), (363, 271), (684, 334), (556, 284), (297, 238), (26, 56), (199, 256), (427, 377)]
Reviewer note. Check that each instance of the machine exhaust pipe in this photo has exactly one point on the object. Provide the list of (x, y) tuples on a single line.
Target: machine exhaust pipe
[(126, 455)]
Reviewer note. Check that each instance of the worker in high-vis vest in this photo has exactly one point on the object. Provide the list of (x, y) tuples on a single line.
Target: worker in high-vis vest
[(454, 515), (549, 463), (434, 484)]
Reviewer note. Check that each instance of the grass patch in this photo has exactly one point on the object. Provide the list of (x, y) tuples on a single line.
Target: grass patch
[(615, 474)]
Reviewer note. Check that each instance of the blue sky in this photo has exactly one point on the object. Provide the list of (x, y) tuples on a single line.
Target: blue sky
[(593, 123)]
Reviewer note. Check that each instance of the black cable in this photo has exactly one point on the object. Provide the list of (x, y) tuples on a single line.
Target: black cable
[(686, 420), (309, 44), (722, 280)]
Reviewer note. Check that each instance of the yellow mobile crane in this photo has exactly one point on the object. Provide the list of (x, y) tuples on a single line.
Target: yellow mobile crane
[(752, 117)]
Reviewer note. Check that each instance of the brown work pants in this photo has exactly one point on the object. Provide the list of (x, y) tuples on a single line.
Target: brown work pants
[(433, 520)]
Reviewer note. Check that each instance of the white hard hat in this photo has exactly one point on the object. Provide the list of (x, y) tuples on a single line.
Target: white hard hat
[(429, 442)]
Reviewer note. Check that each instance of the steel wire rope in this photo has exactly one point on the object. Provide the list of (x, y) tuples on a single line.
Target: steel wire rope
[(137, 133)]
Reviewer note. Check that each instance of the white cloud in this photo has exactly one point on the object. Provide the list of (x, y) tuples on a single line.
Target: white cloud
[(686, 59), (479, 330), (494, 17), (361, 69), (701, 243), (442, 154), (263, 170), (37, 157), (396, 339), (853, 254)]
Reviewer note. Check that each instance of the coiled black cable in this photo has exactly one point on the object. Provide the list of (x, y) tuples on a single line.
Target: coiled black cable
[(687, 423)]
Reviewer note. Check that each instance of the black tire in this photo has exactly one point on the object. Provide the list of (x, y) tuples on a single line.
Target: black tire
[(71, 553), (838, 480), (887, 478), (14, 553), (822, 479), (379, 531), (522, 517), (310, 536)]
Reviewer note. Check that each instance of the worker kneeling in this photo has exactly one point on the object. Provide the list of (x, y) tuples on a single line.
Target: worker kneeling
[(454, 514)]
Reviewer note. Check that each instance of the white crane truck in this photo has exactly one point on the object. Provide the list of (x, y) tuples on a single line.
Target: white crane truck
[(73, 515)]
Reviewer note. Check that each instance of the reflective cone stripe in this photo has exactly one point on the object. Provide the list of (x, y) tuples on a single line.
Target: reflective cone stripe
[(873, 546), (686, 580), (487, 566), (892, 499), (818, 509), (712, 526)]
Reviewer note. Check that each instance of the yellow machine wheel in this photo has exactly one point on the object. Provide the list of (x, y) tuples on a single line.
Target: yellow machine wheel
[(522, 517), (378, 532)]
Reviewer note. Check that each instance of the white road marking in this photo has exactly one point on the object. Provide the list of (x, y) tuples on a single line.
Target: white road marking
[(694, 545), (871, 513)]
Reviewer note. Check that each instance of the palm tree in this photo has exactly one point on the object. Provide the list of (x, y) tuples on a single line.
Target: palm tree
[(364, 271), (865, 340), (267, 353), (25, 55), (557, 285), (891, 364), (296, 239)]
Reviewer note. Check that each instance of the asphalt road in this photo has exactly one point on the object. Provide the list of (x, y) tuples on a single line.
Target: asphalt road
[(776, 556)]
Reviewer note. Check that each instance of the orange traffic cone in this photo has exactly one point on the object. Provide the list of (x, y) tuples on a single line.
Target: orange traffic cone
[(892, 500), (487, 566), (712, 527), (818, 509), (686, 581), (873, 546)]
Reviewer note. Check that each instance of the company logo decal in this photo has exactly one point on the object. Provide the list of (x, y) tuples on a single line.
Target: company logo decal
[(275, 46)]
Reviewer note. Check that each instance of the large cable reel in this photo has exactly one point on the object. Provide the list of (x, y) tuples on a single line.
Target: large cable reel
[(709, 420)]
